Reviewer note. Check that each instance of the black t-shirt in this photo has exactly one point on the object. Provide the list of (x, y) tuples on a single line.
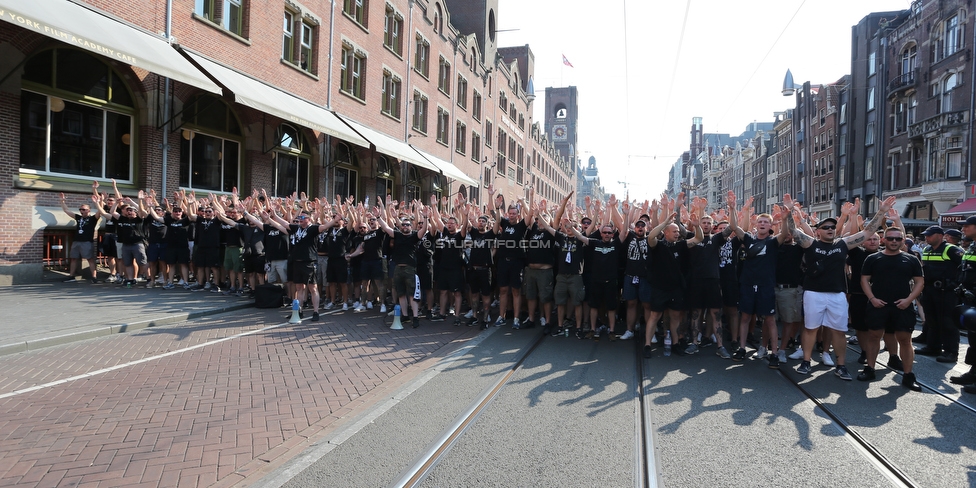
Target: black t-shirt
[(336, 242), (855, 259), (891, 274), (788, 265), (154, 229), (232, 234), (451, 248), (569, 258), (540, 247), (207, 232), (276, 243), (604, 260), (728, 259), (373, 244), (705, 258), (638, 255), (510, 245), (481, 245), (303, 242), (425, 252), (824, 264), (110, 221), (86, 228), (759, 266), (667, 259), (405, 248), (130, 230), (253, 239), (178, 230)]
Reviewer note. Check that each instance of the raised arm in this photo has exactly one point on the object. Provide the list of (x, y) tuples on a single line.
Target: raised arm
[(734, 216), (871, 226), (652, 236), (64, 206)]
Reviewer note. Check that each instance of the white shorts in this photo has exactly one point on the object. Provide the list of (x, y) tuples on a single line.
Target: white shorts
[(825, 309)]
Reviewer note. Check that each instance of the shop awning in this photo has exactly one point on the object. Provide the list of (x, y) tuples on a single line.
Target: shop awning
[(390, 146), (85, 28), (447, 168), (965, 208), (268, 99)]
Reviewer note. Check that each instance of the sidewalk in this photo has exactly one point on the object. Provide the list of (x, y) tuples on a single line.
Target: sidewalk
[(53, 313)]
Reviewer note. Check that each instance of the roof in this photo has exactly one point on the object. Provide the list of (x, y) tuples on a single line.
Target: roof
[(967, 207)]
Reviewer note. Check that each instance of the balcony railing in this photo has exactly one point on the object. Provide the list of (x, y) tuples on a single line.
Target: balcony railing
[(936, 123), (903, 81)]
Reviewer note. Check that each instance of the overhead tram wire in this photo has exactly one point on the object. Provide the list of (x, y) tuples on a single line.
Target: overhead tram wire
[(677, 57)]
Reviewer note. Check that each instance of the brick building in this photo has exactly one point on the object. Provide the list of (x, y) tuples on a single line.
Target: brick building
[(351, 98)]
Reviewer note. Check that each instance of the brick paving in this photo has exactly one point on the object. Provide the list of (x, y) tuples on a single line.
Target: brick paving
[(214, 414)]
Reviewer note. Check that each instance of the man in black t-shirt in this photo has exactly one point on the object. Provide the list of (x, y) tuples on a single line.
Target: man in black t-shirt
[(825, 281), (480, 262), (789, 294), (371, 265), (510, 256), (131, 234), (605, 294), (705, 285), (83, 244), (668, 282), (857, 301), (891, 280), (337, 273), (404, 255), (206, 253), (450, 267), (177, 244), (303, 255)]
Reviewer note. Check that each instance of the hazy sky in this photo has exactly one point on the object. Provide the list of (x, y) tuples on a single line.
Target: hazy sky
[(727, 67)]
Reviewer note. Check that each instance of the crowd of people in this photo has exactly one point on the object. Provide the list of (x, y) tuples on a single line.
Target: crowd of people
[(690, 278)]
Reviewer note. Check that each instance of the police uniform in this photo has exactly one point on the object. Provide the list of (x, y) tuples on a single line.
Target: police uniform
[(967, 289), (941, 267)]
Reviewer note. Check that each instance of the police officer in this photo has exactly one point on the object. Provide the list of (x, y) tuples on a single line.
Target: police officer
[(967, 289), (940, 263)]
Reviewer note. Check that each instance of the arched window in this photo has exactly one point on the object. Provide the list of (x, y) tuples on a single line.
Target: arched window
[(438, 185), (384, 177), (210, 149), (345, 174), (76, 117), (414, 181), (438, 19), (291, 162)]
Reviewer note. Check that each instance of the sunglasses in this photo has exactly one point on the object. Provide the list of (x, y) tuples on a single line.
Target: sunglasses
[(828, 227), (84, 210), (894, 239), (607, 233), (301, 217), (372, 220), (640, 224), (586, 222)]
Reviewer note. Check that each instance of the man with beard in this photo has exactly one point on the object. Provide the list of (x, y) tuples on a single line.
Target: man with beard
[(303, 255), (705, 285), (667, 278), (480, 263), (405, 244)]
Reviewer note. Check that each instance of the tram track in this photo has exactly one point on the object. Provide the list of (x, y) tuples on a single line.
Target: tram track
[(648, 472)]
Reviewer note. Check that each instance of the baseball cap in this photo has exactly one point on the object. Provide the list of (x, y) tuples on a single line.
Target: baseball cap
[(933, 229)]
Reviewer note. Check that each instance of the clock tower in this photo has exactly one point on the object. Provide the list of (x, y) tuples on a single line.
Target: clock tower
[(562, 117)]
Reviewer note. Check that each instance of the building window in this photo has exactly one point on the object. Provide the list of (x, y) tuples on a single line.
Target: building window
[(488, 133), (460, 137), (384, 176), (345, 177), (288, 38), (872, 61), (305, 55), (210, 147), (511, 149), (475, 147), (353, 75), (462, 92), (908, 60), (291, 163), (948, 85), (512, 112), (302, 56), (228, 14), (520, 165), (444, 76), (356, 10), (421, 60), (933, 170), (521, 121), (502, 101), (93, 140), (951, 36), (871, 98), (419, 112), (954, 164), (476, 105), (443, 131), (391, 94), (392, 29), (869, 134)]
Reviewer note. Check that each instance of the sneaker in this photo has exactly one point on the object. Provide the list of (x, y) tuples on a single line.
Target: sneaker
[(369, 305), (500, 321), (206, 286), (70, 280), (647, 351), (182, 282), (383, 308), (484, 325), (781, 355), (894, 362), (315, 316), (739, 354), (826, 359), (761, 353), (416, 322), (494, 304), (723, 353), (866, 374), (229, 291), (852, 340), (963, 379), (359, 308), (862, 359), (546, 328), (611, 337), (842, 373), (215, 289), (803, 368), (967, 388), (581, 333), (558, 331), (797, 354), (516, 324), (357, 304), (329, 306), (705, 343), (438, 318), (168, 286), (528, 324), (110, 279), (470, 314), (457, 322), (908, 381), (947, 358), (93, 280), (691, 349), (773, 361), (596, 335), (345, 307), (653, 338), (627, 336)]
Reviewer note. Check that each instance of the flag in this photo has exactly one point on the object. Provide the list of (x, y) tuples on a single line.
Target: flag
[(566, 61)]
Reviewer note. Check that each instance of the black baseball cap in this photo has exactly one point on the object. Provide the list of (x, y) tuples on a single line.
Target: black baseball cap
[(970, 221), (933, 229)]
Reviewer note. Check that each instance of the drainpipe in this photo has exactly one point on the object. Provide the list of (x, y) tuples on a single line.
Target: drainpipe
[(328, 96), (407, 97), (166, 102)]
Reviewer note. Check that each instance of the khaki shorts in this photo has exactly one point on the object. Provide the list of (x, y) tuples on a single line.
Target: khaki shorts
[(789, 304), (569, 289), (537, 284), (405, 281), (278, 271)]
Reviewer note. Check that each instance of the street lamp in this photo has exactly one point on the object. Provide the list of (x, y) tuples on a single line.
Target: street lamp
[(789, 87)]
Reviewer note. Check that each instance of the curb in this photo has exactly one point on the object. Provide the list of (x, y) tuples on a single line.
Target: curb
[(101, 331)]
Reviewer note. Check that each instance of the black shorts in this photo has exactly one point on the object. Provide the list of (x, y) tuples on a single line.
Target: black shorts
[(604, 294), (704, 293), (730, 292), (355, 271), (857, 305), (371, 269), (177, 254), (301, 272), (450, 279), (254, 263), (757, 300), (479, 279), (206, 257), (426, 276), (668, 299), (107, 247), (890, 318), (510, 273), (337, 271)]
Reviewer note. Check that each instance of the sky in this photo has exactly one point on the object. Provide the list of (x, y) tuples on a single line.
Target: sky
[(644, 69)]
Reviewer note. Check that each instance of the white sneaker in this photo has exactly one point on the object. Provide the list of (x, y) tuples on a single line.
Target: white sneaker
[(345, 307), (329, 306), (357, 304), (383, 308), (369, 305), (470, 314), (826, 359), (761, 353), (359, 308), (781, 356), (627, 335), (181, 283), (111, 279), (206, 286), (797, 354), (160, 281), (516, 323), (494, 303), (653, 338)]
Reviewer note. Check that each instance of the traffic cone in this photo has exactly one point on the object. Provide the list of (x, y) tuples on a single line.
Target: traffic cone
[(396, 319), (295, 318)]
